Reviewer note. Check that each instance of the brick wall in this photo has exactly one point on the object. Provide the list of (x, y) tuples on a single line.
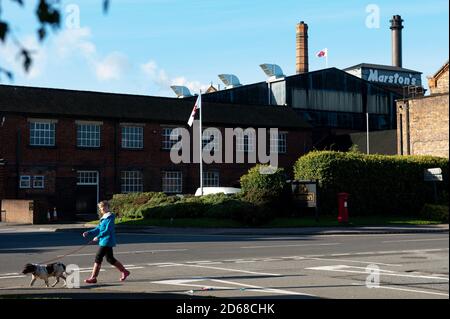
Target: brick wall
[(422, 126), (439, 84), (60, 164)]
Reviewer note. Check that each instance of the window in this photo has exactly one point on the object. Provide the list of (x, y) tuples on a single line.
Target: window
[(42, 134), (25, 181), (87, 178), (88, 135), (211, 179), (210, 139), (168, 143), (172, 182), (245, 142), (278, 142), (131, 182), (132, 137), (38, 181)]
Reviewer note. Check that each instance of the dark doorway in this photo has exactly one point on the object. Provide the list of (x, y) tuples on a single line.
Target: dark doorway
[(86, 200)]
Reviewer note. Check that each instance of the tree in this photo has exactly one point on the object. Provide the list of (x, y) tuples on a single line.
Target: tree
[(48, 14)]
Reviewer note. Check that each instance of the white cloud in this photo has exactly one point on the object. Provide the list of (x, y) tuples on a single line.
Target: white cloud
[(112, 67), (74, 41), (160, 78)]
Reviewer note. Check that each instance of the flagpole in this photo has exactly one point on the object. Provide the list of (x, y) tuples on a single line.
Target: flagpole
[(201, 146)]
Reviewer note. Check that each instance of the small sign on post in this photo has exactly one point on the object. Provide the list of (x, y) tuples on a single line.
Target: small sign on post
[(433, 175)]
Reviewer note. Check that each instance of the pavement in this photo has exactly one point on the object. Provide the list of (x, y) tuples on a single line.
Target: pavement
[(342, 230), (183, 263)]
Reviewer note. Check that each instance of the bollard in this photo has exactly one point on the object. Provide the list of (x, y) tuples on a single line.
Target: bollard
[(48, 216), (55, 214)]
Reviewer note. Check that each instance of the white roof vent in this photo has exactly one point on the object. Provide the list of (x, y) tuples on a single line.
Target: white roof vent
[(181, 91), (273, 71), (230, 80)]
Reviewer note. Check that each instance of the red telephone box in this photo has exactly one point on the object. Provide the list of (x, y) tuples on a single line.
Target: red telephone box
[(343, 207)]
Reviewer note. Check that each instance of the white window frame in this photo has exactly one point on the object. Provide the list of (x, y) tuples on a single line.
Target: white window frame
[(87, 178), (131, 181), (172, 182), (40, 178), (132, 137), (278, 143), (88, 135), (25, 178), (167, 132), (42, 133), (211, 144), (211, 178)]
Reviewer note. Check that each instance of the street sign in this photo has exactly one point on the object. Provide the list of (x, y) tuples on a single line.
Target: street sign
[(433, 175), (305, 192)]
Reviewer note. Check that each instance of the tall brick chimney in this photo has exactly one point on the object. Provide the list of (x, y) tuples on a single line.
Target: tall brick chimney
[(396, 27), (302, 48)]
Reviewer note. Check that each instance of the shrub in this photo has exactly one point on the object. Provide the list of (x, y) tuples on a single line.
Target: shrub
[(435, 212), (266, 185), (378, 184)]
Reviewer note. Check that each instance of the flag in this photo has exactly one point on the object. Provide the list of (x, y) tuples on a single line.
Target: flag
[(322, 53), (197, 106)]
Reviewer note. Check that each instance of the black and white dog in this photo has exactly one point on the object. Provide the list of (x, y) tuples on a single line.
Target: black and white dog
[(44, 272)]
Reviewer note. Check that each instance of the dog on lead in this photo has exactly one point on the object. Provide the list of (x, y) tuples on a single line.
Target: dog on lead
[(44, 272)]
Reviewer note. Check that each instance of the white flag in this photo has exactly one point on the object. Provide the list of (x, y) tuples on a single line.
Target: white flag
[(197, 106)]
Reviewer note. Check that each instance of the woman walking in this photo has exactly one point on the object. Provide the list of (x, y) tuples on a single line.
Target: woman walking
[(105, 235)]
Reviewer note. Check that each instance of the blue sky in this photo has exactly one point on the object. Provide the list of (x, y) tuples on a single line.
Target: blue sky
[(144, 46)]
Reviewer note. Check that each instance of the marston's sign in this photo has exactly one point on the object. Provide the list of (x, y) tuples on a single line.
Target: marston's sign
[(394, 78)]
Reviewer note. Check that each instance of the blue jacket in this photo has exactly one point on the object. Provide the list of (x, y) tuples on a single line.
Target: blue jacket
[(105, 231)]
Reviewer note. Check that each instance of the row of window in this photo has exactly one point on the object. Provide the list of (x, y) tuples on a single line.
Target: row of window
[(27, 181), (88, 135), (131, 181), (172, 181)]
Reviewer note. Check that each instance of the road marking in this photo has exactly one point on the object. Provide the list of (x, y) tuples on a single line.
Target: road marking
[(190, 283), (198, 262), (414, 240), (9, 277), (131, 252), (10, 274), (408, 290), (244, 261), (352, 261), (263, 289), (297, 245), (341, 268), (229, 269)]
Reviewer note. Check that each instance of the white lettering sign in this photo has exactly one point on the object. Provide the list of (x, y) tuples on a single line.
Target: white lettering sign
[(395, 78)]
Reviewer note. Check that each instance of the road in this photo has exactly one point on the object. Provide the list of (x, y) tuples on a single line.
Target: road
[(238, 266)]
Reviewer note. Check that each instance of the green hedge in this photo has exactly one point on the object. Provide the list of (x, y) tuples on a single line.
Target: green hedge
[(435, 212), (257, 204), (378, 184)]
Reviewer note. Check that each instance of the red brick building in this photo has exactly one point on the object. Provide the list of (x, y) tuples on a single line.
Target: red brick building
[(73, 148)]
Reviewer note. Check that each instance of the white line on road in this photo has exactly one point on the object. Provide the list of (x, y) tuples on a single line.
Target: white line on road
[(297, 245), (229, 269), (9, 277), (351, 261), (414, 240), (263, 289), (408, 290), (131, 252), (341, 268)]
